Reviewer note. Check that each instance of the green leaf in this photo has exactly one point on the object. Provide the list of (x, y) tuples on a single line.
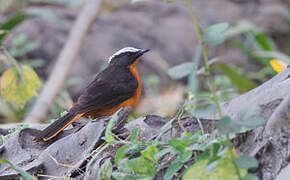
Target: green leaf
[(264, 42), (180, 71), (226, 126), (108, 134), (249, 118), (121, 153), (179, 145), (105, 170), (177, 164), (140, 166), (14, 91), (251, 123), (214, 34), (246, 162), (185, 156), (12, 22), (134, 134), (23, 173), (172, 169), (225, 170), (150, 152), (240, 81), (250, 177), (122, 176), (161, 153), (192, 83), (207, 153), (273, 54)]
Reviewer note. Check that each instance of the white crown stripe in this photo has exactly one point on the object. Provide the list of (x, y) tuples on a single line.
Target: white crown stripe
[(124, 50)]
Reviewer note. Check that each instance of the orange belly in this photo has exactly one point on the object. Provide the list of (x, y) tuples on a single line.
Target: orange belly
[(131, 102)]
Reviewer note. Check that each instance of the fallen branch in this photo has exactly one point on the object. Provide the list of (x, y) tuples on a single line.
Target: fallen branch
[(64, 62)]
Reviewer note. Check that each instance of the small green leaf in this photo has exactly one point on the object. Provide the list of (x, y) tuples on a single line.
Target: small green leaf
[(172, 169), (249, 118), (121, 153), (23, 173), (108, 134), (161, 153), (207, 153), (252, 123), (246, 162), (264, 42), (150, 152), (122, 176), (185, 156), (180, 71), (214, 34), (179, 145), (226, 126), (140, 166), (273, 55), (12, 22), (250, 177), (192, 83), (105, 170), (240, 81), (134, 134)]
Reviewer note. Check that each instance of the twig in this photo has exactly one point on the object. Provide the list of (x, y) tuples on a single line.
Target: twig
[(59, 164), (11, 61), (96, 155), (179, 121), (94, 151), (49, 176), (64, 62), (200, 125)]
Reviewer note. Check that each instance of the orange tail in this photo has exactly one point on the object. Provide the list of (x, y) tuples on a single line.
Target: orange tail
[(56, 127)]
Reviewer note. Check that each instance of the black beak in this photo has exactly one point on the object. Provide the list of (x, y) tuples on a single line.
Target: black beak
[(142, 51)]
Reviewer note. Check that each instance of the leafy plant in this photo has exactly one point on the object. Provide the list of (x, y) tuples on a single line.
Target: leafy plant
[(23, 173)]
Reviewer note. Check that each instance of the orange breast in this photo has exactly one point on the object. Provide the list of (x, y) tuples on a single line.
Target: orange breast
[(131, 102)]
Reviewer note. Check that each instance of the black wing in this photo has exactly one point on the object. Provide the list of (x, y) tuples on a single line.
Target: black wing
[(110, 88)]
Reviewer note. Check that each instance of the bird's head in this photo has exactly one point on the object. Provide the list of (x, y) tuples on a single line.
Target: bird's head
[(126, 56)]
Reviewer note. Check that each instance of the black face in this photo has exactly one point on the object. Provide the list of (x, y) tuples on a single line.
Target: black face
[(127, 58)]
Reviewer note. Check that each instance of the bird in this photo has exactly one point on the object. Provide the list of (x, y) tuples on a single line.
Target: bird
[(117, 86)]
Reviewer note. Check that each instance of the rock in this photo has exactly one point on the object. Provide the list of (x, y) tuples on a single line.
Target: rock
[(269, 144), (60, 156)]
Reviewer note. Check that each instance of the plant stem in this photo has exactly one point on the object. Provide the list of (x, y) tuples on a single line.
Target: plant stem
[(230, 146), (211, 84), (12, 62), (205, 57)]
